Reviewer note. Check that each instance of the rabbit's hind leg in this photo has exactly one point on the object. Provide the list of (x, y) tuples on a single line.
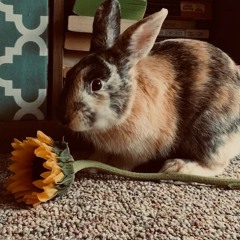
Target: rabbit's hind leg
[(212, 165)]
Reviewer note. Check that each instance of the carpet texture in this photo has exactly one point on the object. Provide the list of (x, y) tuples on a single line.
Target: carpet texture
[(108, 207)]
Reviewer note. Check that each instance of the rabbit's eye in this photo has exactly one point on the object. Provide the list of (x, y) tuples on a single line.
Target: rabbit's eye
[(96, 85)]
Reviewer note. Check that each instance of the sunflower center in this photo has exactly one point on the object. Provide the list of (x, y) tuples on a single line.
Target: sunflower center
[(37, 168)]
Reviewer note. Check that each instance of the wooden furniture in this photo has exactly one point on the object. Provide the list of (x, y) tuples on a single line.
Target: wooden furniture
[(224, 34)]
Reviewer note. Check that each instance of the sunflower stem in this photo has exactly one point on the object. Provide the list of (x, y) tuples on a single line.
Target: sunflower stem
[(216, 181)]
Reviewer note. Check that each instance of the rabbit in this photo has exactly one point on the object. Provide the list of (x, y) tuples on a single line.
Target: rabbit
[(174, 102)]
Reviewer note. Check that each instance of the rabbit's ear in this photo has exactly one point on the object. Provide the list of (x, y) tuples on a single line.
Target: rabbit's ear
[(106, 26), (137, 41)]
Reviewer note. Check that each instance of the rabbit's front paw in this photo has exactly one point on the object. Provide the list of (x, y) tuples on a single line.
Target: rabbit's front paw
[(174, 165), (186, 166)]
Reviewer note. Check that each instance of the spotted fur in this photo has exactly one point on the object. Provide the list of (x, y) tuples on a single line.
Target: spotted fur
[(176, 102)]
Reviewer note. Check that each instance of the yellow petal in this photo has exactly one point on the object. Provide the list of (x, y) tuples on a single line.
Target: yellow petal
[(50, 176), (56, 168), (32, 195), (59, 177), (33, 142), (42, 154), (39, 184), (50, 190), (31, 198), (19, 167), (22, 155), (21, 177), (29, 146), (21, 194), (47, 194), (21, 151), (45, 174), (49, 179), (51, 164), (16, 144), (18, 187), (46, 147), (54, 178), (33, 202), (44, 138), (36, 204)]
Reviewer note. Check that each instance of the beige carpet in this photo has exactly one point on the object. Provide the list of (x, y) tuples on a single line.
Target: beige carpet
[(107, 207)]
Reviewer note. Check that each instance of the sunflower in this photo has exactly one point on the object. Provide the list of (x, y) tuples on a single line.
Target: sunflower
[(41, 169)]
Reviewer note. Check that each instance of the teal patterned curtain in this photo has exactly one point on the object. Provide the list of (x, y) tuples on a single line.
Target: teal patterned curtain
[(23, 59)]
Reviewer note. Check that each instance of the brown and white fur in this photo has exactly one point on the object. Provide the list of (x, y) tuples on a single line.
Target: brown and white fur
[(176, 102)]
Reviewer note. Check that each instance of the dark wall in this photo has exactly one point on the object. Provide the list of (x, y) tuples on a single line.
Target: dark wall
[(225, 32)]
